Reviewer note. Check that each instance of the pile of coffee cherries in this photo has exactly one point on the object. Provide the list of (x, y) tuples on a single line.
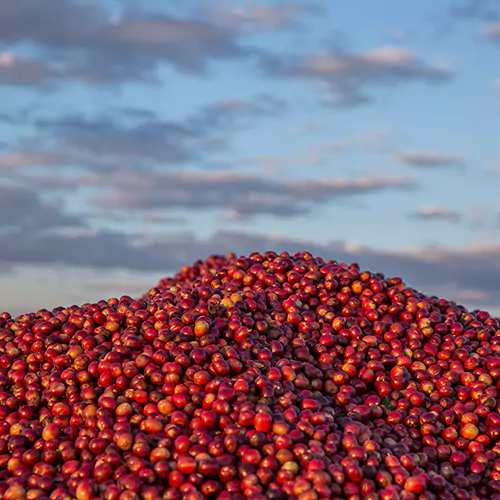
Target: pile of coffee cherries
[(270, 376)]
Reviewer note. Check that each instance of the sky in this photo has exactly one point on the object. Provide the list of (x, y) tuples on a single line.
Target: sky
[(137, 136)]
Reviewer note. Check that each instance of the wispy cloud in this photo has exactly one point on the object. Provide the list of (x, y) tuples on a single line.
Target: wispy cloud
[(277, 163), (377, 139), (245, 195), (143, 138), (22, 210), (429, 213), (492, 30), (26, 72), (475, 9), (347, 75), (429, 159), (258, 17)]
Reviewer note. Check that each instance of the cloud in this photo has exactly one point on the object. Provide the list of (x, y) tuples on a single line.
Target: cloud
[(24, 212), (276, 163), (17, 161), (429, 213), (398, 35), (238, 112), (161, 218), (345, 75), (50, 182), (88, 46), (9, 118), (134, 113), (100, 250), (132, 48), (92, 48), (102, 140), (429, 159), (476, 9), (20, 115), (245, 195), (469, 273), (25, 72), (376, 139), (253, 18), (53, 23), (159, 140), (35, 158), (492, 30)]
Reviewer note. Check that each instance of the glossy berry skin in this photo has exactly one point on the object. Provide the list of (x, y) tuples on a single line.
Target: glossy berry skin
[(263, 422)]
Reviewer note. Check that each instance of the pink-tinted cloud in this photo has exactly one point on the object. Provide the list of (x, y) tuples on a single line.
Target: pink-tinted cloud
[(429, 159), (429, 213), (347, 75)]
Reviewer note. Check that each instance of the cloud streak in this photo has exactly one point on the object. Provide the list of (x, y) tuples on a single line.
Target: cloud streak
[(492, 30), (429, 159), (22, 211), (429, 213), (148, 139), (474, 9), (35, 158), (253, 18), (346, 75), (243, 196), (26, 72)]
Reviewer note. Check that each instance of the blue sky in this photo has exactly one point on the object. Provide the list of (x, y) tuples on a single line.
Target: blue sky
[(137, 137)]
